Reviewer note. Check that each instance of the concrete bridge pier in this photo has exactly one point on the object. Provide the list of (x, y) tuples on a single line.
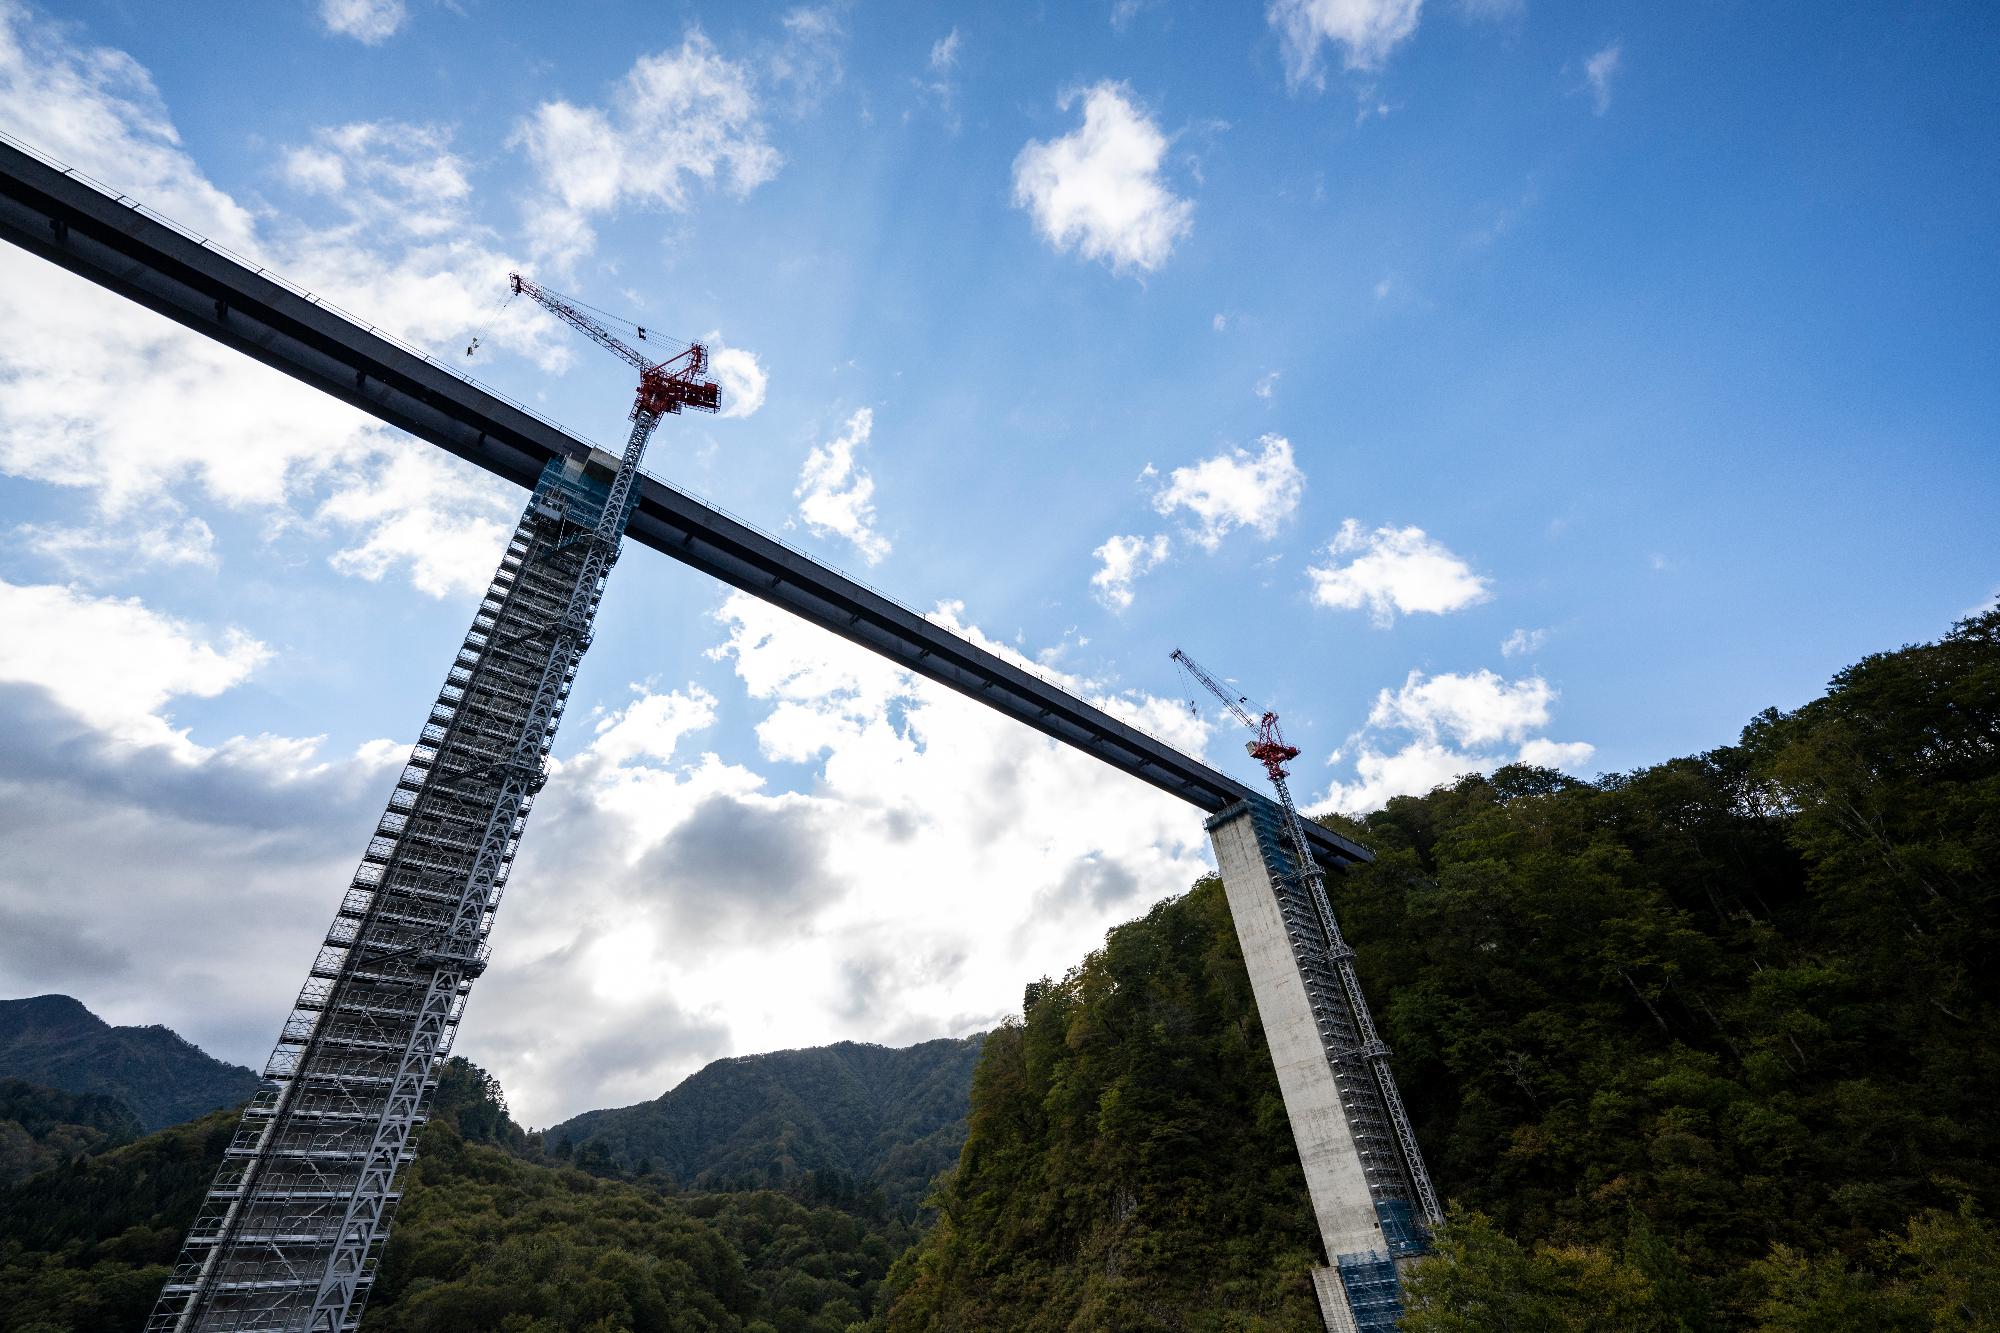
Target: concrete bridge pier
[(1357, 1182)]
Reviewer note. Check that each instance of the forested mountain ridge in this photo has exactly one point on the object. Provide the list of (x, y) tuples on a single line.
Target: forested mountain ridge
[(489, 1236), (1704, 1046), (40, 1127), (890, 1118), (53, 1041)]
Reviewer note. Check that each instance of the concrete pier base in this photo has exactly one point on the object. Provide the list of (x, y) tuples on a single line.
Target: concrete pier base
[(1332, 1295)]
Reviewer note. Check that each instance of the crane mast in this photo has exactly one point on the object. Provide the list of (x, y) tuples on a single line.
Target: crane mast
[(1268, 748)]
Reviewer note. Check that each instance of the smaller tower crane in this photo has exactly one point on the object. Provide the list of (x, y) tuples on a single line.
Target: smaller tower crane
[(1267, 746), (664, 386)]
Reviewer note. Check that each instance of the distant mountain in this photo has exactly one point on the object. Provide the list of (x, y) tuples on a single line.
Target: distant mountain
[(888, 1118), (53, 1041)]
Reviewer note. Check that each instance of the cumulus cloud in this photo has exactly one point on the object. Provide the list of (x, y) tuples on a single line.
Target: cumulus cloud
[(1394, 569), (1598, 72), (671, 904), (1366, 31), (97, 109), (393, 508), (1267, 384), (1433, 729), (368, 21), (1237, 489), (1121, 560), (836, 495), (933, 845), (114, 662), (1523, 642), (1098, 190), (741, 375), (678, 120), (1475, 709), (145, 421)]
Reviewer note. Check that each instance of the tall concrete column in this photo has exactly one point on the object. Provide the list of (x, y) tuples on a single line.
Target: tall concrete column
[(1352, 1187)]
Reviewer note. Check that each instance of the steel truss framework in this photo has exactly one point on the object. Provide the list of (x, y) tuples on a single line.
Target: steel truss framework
[(292, 1227)]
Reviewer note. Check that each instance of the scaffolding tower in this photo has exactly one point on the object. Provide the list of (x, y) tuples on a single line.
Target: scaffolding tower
[(292, 1228)]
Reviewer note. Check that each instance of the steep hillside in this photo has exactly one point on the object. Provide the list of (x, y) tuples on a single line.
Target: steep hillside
[(52, 1040), (40, 1127), (888, 1118), (1705, 1046), (1129, 1164)]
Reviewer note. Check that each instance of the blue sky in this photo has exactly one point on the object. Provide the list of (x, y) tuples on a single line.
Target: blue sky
[(1470, 380)]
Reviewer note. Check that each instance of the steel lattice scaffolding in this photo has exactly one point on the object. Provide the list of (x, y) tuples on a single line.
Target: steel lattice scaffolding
[(291, 1229)]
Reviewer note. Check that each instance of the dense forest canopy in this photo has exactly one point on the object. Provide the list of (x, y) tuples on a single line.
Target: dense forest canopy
[(491, 1236), (1702, 1046)]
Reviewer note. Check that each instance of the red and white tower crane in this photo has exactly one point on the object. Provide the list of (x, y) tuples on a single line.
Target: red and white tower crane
[(664, 386)]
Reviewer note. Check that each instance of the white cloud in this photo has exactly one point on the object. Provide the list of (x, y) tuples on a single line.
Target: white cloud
[(836, 496), (1394, 569), (1220, 323), (1124, 11), (1236, 489), (1556, 754), (368, 21), (677, 119), (150, 420), (1122, 560), (406, 517), (1523, 642), (1598, 72), (944, 52), (673, 905), (740, 374), (1475, 709), (1097, 190), (936, 856), (1365, 30), (97, 109), (115, 663), (1267, 384), (937, 85), (97, 551), (807, 62), (162, 878), (653, 725), (1451, 725)]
